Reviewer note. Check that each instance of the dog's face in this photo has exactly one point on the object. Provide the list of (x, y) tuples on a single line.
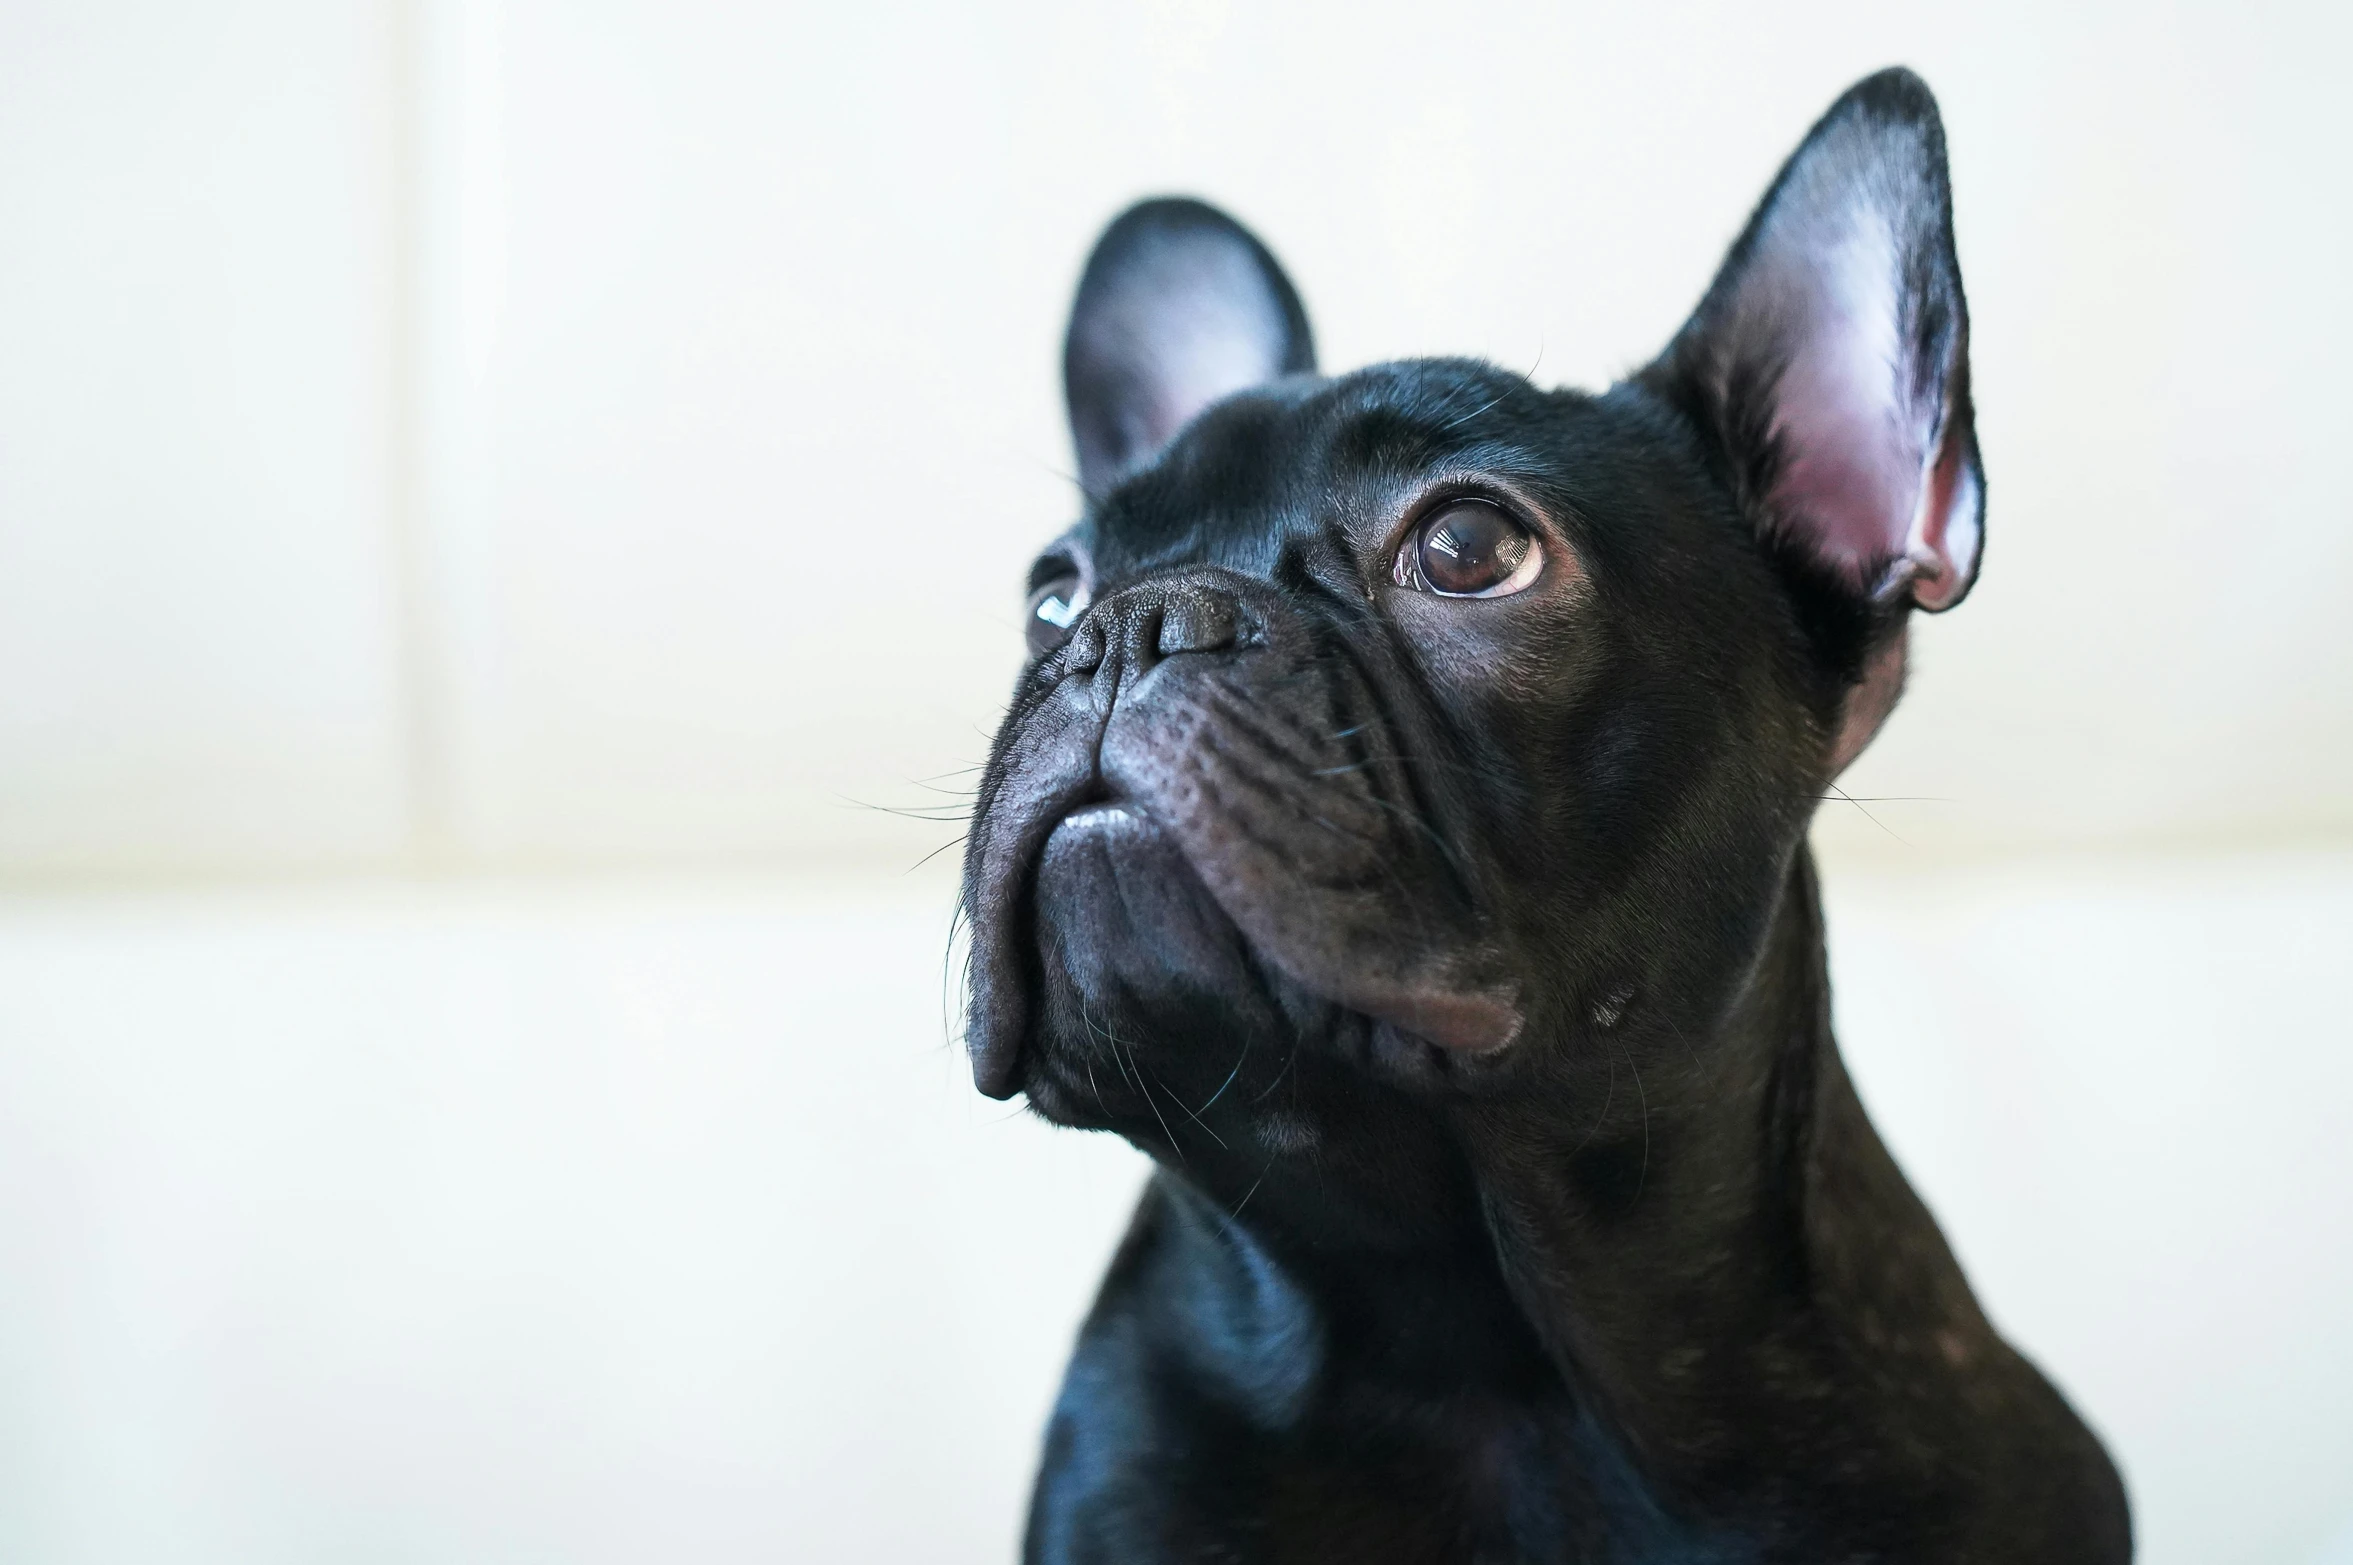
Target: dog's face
[(1418, 732)]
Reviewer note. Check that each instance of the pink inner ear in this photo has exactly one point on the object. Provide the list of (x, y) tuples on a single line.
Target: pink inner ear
[(1850, 449), (1201, 325), (1947, 531), (1214, 339), (1860, 486)]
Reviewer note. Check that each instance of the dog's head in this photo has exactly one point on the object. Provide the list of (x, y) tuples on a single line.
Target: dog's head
[(1405, 732)]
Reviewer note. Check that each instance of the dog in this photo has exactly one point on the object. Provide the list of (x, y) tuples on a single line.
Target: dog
[(1398, 831)]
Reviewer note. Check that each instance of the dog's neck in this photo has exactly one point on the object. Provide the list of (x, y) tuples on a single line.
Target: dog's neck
[(1720, 1266), (1768, 1269)]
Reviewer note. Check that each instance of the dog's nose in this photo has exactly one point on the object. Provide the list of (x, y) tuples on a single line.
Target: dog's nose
[(1144, 624), (1198, 618)]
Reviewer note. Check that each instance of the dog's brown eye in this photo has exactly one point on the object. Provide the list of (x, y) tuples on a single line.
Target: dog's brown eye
[(1053, 607), (1469, 549)]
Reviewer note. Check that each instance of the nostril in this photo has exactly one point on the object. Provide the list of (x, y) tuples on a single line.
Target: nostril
[(1196, 622)]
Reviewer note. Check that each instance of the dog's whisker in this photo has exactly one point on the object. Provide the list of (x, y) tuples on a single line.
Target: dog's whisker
[(1226, 1227), (1643, 1177), (953, 842), (1239, 1061), (1608, 1098), (1867, 815)]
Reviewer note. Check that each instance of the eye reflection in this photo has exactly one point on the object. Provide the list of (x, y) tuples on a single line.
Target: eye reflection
[(1469, 549), (1054, 606)]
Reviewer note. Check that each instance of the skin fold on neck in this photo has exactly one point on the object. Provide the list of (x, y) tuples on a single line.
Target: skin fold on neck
[(1717, 1279)]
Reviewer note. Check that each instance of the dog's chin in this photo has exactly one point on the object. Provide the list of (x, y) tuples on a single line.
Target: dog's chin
[(1138, 967), (1146, 984)]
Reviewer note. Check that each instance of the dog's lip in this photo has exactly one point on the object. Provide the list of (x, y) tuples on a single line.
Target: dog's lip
[(1000, 878), (1471, 1021), (1099, 815), (1456, 1003)]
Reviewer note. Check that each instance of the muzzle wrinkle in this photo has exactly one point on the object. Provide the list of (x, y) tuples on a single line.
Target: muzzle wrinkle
[(1401, 768), (1260, 742)]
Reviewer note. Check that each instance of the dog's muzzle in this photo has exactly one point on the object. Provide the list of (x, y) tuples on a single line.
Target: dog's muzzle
[(1201, 724)]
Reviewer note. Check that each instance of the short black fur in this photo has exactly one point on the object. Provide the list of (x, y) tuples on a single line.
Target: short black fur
[(1460, 961)]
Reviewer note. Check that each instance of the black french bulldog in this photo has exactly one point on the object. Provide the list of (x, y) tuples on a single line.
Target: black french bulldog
[(1399, 832)]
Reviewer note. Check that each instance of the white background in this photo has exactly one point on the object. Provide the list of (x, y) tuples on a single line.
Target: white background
[(491, 495)]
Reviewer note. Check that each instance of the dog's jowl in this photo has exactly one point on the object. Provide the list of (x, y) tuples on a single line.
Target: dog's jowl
[(1399, 831)]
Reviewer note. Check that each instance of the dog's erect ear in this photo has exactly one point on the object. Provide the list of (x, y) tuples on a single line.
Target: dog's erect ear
[(1830, 358), (1180, 305), (1829, 364)]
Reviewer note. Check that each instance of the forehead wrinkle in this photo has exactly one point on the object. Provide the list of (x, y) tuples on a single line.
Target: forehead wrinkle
[(1267, 467), (1225, 493)]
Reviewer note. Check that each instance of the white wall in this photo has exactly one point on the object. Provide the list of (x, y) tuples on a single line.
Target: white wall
[(199, 662), (495, 437), (540, 433)]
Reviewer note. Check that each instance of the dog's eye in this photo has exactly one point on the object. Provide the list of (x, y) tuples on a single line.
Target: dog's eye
[(1053, 607), (1469, 549)]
